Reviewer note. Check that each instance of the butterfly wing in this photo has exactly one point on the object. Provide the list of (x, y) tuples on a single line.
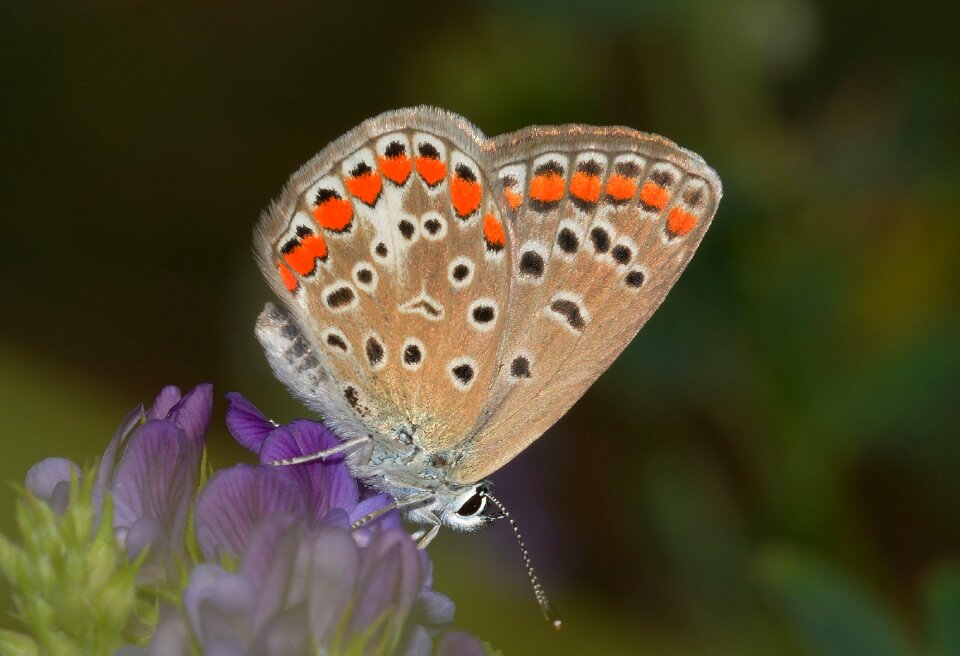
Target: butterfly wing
[(602, 221), (389, 253)]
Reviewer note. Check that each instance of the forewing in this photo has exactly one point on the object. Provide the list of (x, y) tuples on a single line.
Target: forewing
[(388, 249), (602, 221)]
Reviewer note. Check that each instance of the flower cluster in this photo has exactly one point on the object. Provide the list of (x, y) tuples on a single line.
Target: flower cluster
[(149, 555)]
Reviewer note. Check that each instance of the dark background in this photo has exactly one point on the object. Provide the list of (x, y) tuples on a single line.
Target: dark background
[(770, 468)]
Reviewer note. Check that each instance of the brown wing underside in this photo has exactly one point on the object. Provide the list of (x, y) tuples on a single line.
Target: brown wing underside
[(602, 221), (390, 250), (467, 290)]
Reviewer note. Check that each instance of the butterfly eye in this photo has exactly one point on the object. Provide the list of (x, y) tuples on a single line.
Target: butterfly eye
[(473, 506)]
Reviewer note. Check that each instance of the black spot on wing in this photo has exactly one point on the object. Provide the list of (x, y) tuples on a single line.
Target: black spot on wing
[(374, 351), (336, 341), (570, 311), (532, 264), (395, 149), (412, 354), (463, 373), (600, 239), (339, 297), (428, 150), (520, 367), (567, 241)]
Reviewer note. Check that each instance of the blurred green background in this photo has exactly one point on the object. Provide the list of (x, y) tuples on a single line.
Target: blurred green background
[(772, 467)]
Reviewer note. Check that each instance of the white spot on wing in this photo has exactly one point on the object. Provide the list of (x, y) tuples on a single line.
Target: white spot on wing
[(424, 305)]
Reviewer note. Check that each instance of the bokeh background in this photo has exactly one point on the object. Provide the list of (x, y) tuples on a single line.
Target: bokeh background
[(772, 467)]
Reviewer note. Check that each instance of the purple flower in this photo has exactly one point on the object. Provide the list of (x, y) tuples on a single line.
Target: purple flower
[(458, 643), (302, 588), (323, 485), (280, 570), (304, 576), (151, 469)]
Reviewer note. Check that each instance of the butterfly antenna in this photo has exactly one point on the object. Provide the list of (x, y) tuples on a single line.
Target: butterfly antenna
[(541, 596)]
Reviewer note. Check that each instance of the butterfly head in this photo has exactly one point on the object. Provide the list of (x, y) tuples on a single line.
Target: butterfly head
[(466, 508)]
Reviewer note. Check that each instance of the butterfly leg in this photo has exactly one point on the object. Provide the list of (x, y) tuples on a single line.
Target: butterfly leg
[(320, 455), (379, 512), (395, 505), (425, 535)]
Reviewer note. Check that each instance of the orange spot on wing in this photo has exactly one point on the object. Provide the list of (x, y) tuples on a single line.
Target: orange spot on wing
[(315, 246), (301, 261), (431, 170), (547, 187), (513, 198), (680, 222), (397, 169), (620, 187), (585, 186), (289, 280), (493, 232), (653, 195), (334, 214), (465, 196), (366, 187)]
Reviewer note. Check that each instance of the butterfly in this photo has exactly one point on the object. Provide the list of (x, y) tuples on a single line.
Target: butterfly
[(446, 297)]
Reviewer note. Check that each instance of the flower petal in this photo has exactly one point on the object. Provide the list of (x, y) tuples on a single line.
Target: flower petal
[(434, 608), (172, 635), (148, 532), (377, 597), (248, 425), (131, 650), (192, 414), (327, 484), (459, 643), (109, 459), (153, 479), (165, 400), (236, 500), (262, 545), (60, 499), (336, 565), (287, 634), (286, 577), (218, 605), (43, 477), (418, 643), (390, 578), (148, 481), (227, 646)]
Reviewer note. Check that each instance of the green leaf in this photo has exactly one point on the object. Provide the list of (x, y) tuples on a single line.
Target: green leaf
[(832, 613), (17, 644), (943, 610)]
